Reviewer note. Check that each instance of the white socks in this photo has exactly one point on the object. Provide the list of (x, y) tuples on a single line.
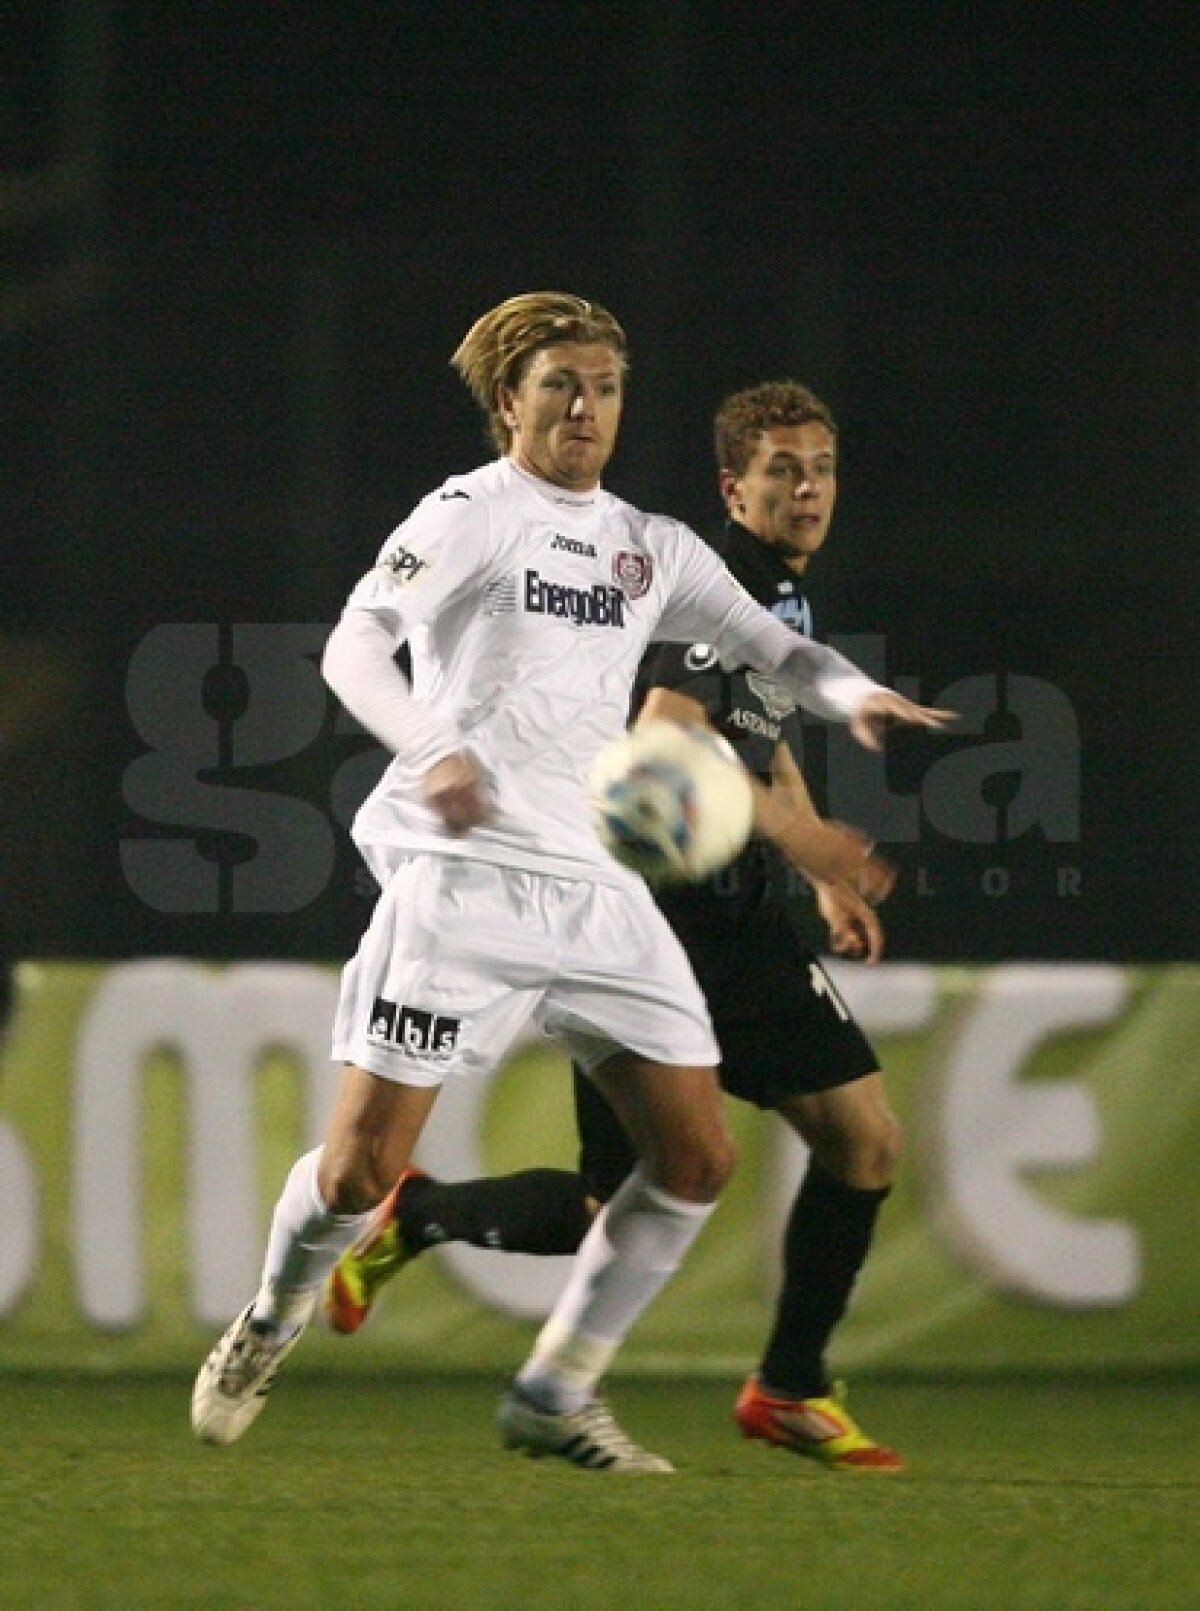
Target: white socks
[(305, 1243), (635, 1245)]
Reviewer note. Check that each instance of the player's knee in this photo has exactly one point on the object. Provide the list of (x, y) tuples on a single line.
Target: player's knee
[(700, 1172), (863, 1155), (872, 1156), (884, 1152), (351, 1184), (720, 1162)]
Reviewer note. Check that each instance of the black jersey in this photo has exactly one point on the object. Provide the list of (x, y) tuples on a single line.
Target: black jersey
[(754, 713), (782, 1026)]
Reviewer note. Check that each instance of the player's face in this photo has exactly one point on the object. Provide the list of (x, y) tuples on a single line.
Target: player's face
[(787, 493), (564, 413)]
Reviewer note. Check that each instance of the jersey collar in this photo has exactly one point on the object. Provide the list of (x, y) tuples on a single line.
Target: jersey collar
[(555, 495), (760, 571)]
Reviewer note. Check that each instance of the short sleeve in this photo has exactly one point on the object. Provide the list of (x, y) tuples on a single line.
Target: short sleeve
[(691, 669)]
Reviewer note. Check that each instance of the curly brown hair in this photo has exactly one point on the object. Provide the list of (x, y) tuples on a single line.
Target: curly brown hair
[(744, 416), (496, 349)]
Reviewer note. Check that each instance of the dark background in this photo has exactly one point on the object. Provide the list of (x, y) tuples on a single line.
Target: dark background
[(241, 241)]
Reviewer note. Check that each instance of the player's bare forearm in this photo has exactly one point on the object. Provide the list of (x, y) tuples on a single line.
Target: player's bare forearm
[(821, 850)]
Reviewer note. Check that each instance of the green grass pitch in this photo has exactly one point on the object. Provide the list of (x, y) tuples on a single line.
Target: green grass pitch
[(392, 1492)]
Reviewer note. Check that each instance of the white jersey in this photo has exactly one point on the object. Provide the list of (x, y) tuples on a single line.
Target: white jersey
[(526, 610)]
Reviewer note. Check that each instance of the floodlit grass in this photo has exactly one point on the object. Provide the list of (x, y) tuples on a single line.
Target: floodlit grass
[(392, 1493)]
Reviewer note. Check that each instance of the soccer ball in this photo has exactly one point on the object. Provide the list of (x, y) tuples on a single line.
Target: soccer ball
[(672, 802)]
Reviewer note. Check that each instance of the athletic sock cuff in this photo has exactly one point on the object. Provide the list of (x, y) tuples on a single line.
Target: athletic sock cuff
[(668, 1203)]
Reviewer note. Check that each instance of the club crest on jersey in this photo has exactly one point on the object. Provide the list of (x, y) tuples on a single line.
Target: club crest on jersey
[(775, 700), (632, 573)]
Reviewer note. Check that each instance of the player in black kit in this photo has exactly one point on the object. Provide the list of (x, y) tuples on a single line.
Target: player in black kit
[(788, 1041)]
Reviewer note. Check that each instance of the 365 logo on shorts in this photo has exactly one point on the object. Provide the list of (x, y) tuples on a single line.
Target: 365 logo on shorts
[(411, 1030)]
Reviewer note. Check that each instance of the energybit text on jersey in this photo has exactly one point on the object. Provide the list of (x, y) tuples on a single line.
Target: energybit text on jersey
[(585, 606)]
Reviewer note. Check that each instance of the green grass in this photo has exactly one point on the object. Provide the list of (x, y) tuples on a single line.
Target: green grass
[(386, 1492)]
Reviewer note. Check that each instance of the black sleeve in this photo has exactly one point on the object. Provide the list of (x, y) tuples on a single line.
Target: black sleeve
[(691, 669)]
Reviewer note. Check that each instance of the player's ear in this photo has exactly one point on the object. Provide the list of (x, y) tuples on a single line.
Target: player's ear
[(505, 405), (731, 491)]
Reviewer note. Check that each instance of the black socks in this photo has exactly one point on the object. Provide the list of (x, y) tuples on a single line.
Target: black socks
[(825, 1246), (535, 1211)]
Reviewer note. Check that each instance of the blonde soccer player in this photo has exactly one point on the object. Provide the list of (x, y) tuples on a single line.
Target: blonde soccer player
[(527, 595)]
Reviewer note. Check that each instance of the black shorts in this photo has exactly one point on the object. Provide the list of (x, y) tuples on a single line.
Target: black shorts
[(781, 1024)]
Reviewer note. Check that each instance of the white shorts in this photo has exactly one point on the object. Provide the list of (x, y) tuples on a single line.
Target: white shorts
[(461, 955)]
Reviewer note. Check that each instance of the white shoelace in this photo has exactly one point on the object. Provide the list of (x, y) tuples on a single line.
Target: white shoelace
[(250, 1355)]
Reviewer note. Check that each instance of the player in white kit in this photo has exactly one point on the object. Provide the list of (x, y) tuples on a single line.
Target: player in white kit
[(526, 595)]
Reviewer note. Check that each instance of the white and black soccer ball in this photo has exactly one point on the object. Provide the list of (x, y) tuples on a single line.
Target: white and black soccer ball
[(672, 802)]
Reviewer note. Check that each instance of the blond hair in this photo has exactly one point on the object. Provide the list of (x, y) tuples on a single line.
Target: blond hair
[(496, 349)]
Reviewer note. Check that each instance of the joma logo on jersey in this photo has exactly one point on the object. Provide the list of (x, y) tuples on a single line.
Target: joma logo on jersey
[(585, 606), (572, 545), (403, 565), (427, 1034)]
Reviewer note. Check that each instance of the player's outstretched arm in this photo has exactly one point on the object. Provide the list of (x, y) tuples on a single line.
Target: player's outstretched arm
[(818, 677), (872, 718)]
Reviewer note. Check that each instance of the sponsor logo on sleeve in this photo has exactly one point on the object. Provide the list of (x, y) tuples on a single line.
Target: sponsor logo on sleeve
[(403, 566), (700, 657)]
